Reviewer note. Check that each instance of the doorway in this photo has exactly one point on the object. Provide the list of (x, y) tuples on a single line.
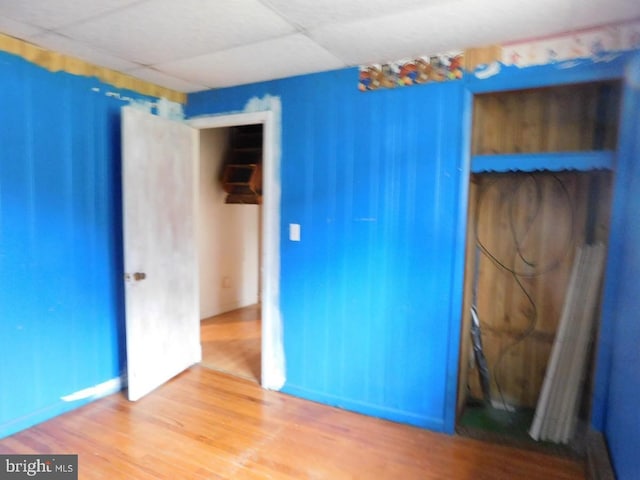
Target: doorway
[(272, 361), (229, 236)]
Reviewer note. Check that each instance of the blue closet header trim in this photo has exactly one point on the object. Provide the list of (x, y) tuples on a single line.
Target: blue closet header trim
[(553, 161)]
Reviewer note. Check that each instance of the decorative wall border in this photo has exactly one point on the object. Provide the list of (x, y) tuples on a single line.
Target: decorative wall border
[(402, 73), (596, 43)]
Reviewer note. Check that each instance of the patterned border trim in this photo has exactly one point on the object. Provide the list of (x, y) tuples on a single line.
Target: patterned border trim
[(407, 72), (592, 43)]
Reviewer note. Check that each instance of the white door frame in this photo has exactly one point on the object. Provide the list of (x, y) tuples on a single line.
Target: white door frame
[(272, 354)]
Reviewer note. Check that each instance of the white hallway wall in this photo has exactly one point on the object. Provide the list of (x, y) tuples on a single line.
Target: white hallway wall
[(228, 237)]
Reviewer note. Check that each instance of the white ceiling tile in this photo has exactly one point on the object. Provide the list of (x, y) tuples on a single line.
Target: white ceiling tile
[(217, 42), (17, 29), (309, 14), (61, 44), (164, 80), (283, 57), (56, 13), (452, 26), (164, 30), (598, 12)]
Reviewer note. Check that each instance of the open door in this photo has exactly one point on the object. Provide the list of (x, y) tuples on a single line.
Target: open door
[(160, 251)]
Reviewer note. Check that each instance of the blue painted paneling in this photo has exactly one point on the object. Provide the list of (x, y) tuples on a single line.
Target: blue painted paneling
[(348, 297), (61, 324), (366, 296), (370, 297), (620, 363)]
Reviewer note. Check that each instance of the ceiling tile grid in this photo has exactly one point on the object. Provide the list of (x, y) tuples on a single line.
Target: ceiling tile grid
[(454, 25), (51, 14), (17, 29), (67, 46), (196, 44), (168, 81), (282, 57), (163, 30), (310, 14)]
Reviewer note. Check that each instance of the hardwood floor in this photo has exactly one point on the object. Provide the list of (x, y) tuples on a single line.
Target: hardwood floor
[(205, 424), (231, 342)]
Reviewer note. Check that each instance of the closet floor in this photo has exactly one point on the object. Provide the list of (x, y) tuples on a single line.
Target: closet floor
[(496, 425)]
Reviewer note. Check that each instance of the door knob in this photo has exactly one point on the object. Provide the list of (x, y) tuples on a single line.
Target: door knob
[(139, 276)]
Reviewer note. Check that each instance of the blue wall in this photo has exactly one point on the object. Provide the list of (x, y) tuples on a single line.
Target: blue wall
[(622, 413), (367, 295), (370, 297), (61, 322)]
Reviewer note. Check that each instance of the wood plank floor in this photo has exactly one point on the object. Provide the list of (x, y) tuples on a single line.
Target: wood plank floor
[(231, 342), (205, 424)]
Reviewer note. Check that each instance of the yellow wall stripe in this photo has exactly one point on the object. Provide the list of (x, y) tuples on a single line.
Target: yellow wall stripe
[(55, 62)]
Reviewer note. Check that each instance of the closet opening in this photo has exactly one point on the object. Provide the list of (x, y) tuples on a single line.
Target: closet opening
[(539, 195)]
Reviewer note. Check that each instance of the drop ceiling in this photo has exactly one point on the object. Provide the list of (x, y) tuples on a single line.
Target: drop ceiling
[(192, 45)]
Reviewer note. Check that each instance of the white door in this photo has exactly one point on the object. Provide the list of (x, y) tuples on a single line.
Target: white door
[(159, 216)]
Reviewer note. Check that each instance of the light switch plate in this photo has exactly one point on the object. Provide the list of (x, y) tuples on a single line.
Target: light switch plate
[(294, 232)]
